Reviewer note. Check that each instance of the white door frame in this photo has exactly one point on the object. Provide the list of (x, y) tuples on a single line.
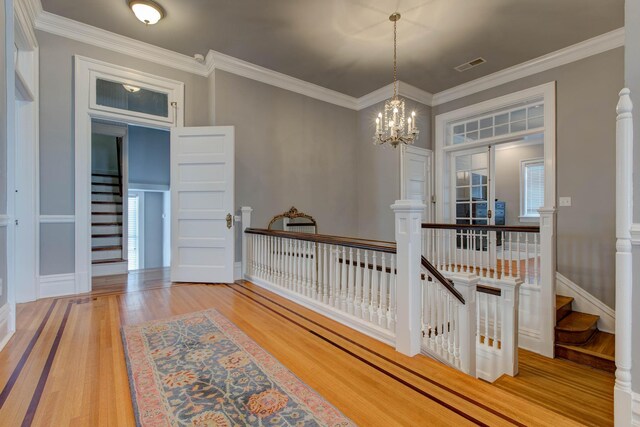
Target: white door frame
[(86, 71), (25, 198), (540, 340), (428, 154)]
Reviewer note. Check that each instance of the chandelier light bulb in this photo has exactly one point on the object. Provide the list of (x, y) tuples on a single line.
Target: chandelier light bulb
[(147, 11)]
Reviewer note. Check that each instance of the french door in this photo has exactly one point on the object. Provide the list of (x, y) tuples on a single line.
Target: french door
[(202, 204), (472, 183)]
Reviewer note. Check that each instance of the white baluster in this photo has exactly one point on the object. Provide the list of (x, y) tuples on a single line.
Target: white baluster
[(526, 265), (503, 255), (382, 311), (392, 296), (344, 282), (332, 274), (325, 277), (358, 292), (366, 288), (496, 334), (518, 267), (373, 308)]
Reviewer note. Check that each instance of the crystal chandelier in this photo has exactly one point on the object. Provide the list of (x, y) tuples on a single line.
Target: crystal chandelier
[(393, 128)]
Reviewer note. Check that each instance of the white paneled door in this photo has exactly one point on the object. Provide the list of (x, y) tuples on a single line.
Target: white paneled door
[(202, 185)]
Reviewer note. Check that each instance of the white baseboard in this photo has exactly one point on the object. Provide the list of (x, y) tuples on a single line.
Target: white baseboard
[(584, 302), (352, 322), (109, 269), (55, 285), (635, 409), (237, 271), (6, 328)]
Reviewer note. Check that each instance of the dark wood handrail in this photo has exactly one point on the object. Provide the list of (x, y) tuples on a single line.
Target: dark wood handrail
[(351, 242), (478, 227), (301, 224), (484, 289), (443, 280)]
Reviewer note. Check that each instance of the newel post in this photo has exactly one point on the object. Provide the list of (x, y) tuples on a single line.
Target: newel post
[(547, 280), (467, 285), (624, 211), (408, 223), (246, 223), (509, 305)]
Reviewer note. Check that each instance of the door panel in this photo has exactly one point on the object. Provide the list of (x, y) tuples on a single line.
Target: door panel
[(417, 177), (202, 190)]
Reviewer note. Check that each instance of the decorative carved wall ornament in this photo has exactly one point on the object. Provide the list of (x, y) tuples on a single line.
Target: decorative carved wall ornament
[(292, 214)]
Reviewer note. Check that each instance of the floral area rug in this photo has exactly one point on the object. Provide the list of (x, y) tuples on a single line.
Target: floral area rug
[(199, 369)]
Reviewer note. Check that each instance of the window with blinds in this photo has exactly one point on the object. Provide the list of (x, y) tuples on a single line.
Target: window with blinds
[(134, 232), (532, 187)]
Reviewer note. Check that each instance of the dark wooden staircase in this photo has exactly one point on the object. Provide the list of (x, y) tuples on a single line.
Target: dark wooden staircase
[(579, 340)]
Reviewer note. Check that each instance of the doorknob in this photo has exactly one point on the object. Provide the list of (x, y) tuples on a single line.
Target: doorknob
[(229, 220)]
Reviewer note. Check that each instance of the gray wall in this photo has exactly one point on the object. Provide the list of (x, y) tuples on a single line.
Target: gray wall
[(149, 163), (56, 132), (586, 99), (632, 81), (378, 172), (291, 150), (153, 235), (149, 156), (104, 154), (508, 178)]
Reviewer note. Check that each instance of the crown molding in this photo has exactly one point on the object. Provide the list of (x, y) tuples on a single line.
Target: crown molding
[(55, 24), (75, 30), (576, 52), (220, 61)]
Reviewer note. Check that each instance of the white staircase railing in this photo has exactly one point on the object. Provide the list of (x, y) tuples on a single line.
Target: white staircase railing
[(384, 289)]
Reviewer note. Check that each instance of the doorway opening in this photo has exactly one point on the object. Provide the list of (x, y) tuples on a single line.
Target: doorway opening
[(130, 199)]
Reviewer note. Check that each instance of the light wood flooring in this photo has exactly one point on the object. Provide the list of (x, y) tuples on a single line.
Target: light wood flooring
[(65, 364)]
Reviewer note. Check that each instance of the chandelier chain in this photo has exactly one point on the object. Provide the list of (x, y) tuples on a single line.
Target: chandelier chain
[(395, 56)]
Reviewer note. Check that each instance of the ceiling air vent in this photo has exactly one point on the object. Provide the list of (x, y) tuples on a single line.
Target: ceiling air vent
[(468, 65)]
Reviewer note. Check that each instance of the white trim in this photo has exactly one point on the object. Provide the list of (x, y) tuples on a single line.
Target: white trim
[(141, 220), (55, 285), (6, 329), (352, 322), (65, 27), (220, 61), (4, 220), (576, 52), (57, 219), (584, 302), (83, 68), (635, 409), (635, 234)]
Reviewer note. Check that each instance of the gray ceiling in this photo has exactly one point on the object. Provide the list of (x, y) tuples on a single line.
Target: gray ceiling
[(347, 45)]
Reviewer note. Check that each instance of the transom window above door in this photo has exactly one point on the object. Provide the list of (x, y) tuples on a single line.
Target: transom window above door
[(513, 120)]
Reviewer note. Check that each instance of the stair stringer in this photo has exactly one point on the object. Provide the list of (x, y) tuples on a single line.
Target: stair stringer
[(584, 302)]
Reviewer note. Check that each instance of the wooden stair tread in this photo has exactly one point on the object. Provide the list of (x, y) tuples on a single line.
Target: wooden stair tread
[(602, 345), (576, 322), (106, 213), (105, 224), (117, 193), (105, 235), (105, 203), (110, 184), (106, 248), (107, 261), (562, 301)]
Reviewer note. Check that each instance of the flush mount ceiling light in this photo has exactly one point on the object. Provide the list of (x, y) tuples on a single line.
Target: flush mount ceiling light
[(147, 11), (131, 88)]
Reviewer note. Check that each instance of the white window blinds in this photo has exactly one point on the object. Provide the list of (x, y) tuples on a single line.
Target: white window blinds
[(533, 172), (133, 230)]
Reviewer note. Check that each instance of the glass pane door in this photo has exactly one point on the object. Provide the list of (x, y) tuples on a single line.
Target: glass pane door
[(472, 197)]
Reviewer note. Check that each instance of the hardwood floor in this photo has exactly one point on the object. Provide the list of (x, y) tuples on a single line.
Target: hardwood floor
[(65, 365)]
